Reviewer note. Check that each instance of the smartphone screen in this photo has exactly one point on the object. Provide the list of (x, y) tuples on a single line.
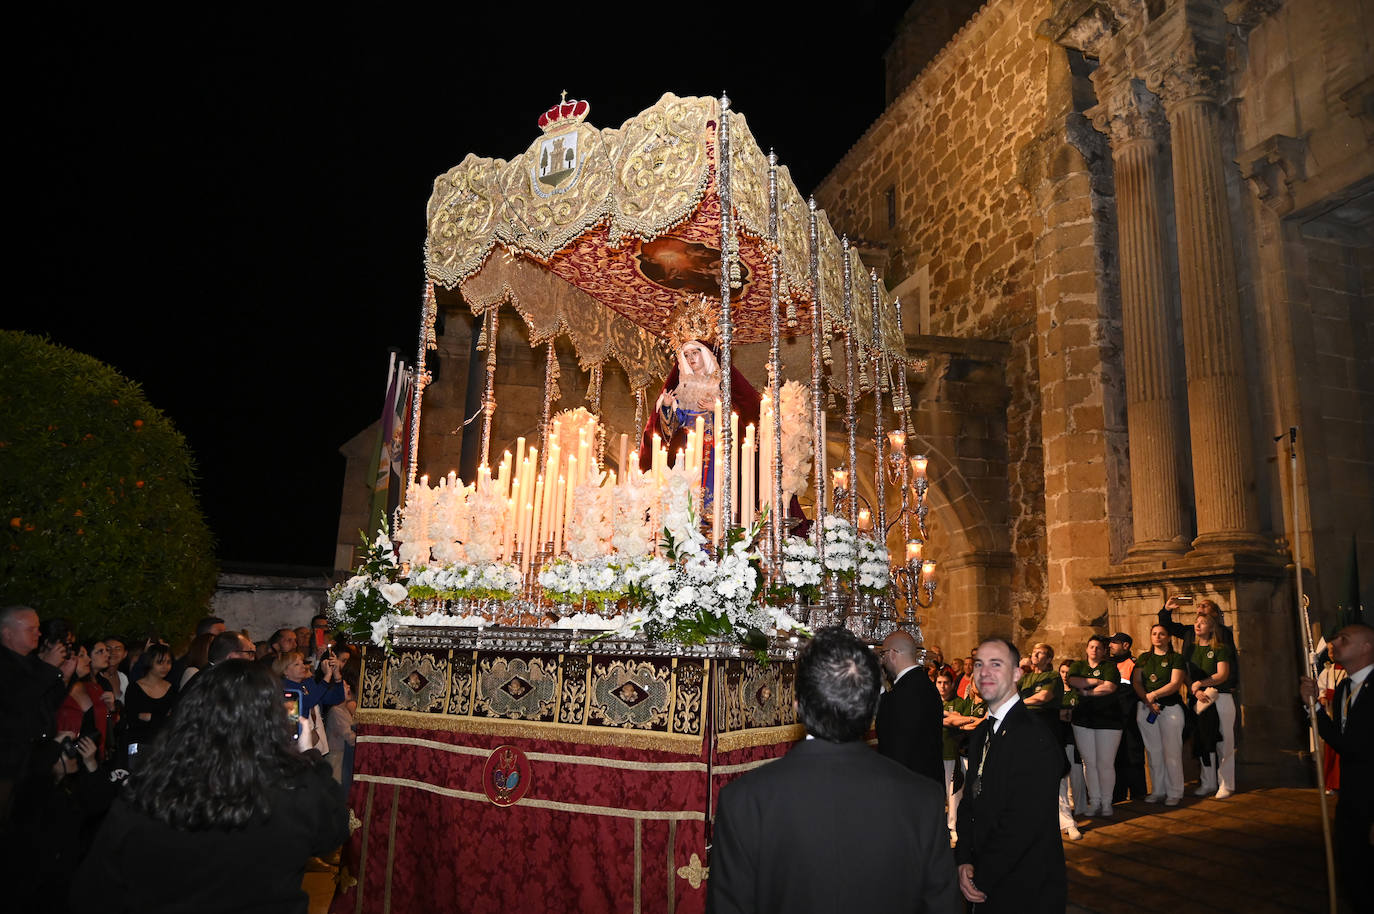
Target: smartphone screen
[(291, 699), (320, 642)]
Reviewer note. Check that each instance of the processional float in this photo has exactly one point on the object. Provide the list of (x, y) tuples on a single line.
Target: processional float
[(631, 241)]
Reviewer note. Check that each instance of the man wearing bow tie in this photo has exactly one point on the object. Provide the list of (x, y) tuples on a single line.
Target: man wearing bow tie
[(1349, 729), (1009, 853)]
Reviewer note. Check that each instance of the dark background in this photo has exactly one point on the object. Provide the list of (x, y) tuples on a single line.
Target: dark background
[(229, 209)]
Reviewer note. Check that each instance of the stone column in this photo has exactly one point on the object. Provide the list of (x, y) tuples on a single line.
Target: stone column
[(1218, 411), (1154, 408)]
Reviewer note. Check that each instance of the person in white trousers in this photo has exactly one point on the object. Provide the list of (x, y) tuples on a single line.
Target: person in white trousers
[(1158, 680), (1097, 722), (1212, 662)]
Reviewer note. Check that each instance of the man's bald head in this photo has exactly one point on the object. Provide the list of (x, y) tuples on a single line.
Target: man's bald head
[(1353, 646), (898, 652)]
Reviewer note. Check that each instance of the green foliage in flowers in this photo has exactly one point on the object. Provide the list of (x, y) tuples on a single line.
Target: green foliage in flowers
[(101, 521)]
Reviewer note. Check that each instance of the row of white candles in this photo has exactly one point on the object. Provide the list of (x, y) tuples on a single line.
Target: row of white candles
[(538, 513)]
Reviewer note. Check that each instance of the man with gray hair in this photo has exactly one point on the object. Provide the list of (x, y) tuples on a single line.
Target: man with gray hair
[(32, 685), (832, 825)]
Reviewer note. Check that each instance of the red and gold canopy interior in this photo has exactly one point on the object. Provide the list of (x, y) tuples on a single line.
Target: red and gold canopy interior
[(604, 234)]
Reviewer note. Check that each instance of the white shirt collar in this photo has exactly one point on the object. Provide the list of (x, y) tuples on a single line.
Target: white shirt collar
[(1000, 712), (903, 673), (1360, 675)]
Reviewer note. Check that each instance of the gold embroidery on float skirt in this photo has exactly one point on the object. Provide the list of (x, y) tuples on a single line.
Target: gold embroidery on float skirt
[(766, 736), (630, 693), (678, 744), (517, 688), (416, 681)]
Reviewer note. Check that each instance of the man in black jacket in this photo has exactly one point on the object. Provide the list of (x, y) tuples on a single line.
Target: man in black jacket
[(832, 825), (910, 714), (32, 685), (1010, 855), (1349, 729)]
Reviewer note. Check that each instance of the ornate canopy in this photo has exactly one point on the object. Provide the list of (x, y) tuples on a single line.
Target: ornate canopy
[(603, 234)]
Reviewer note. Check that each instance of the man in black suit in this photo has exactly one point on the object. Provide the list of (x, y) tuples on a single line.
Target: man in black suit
[(832, 825), (1009, 853), (1349, 729), (910, 714)]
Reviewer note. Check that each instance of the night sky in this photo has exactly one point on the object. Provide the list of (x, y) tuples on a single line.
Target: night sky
[(230, 211)]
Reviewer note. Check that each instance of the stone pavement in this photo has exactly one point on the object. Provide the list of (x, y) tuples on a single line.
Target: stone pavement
[(1256, 851)]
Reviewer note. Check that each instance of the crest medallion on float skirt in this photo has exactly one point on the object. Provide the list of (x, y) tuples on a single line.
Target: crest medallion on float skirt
[(506, 776)]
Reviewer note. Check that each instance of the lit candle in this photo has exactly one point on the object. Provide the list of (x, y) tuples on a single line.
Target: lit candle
[(624, 454), (897, 438), (715, 504), (503, 475), (765, 481), (537, 526), (865, 522), (734, 470), (557, 506), (928, 572), (508, 531), (483, 478), (913, 551), (841, 479), (918, 466), (582, 457), (746, 507), (568, 515)]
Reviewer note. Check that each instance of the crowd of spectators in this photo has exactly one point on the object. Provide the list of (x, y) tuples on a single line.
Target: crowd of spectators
[(1118, 714), (107, 742)]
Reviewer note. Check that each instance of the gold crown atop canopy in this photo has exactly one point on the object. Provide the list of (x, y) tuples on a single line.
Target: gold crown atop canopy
[(693, 319)]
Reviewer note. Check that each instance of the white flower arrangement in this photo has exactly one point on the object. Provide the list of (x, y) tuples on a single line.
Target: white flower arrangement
[(358, 605), (631, 532), (488, 581), (590, 536), (600, 580), (685, 595), (875, 573)]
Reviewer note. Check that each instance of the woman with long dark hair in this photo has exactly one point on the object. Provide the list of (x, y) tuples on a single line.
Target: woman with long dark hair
[(149, 700), (224, 813)]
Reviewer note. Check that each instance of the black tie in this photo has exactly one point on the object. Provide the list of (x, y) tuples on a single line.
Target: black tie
[(983, 757)]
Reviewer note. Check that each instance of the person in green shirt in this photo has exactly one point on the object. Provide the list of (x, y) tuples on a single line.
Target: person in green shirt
[(1097, 723), (956, 720), (1042, 692), (1210, 663), (1073, 786), (1158, 683)]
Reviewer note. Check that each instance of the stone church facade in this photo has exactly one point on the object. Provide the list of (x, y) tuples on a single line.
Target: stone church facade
[(1134, 242), (1164, 209)]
